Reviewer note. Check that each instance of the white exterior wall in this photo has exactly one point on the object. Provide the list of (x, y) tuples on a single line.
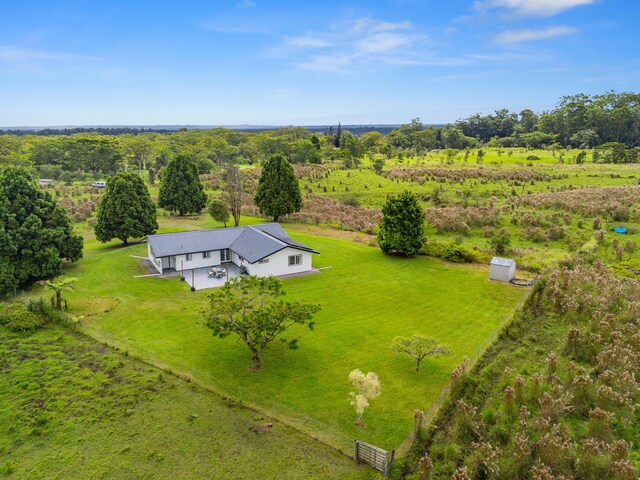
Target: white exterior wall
[(279, 264), (197, 261), (156, 262), (502, 273)]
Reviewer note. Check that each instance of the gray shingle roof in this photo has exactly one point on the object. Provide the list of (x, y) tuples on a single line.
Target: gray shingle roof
[(251, 243), (504, 262)]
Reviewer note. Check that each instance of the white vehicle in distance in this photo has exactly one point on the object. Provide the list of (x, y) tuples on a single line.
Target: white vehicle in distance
[(99, 184)]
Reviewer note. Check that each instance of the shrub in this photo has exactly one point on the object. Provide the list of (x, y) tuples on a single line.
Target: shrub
[(449, 250), (16, 318), (500, 242), (350, 200)]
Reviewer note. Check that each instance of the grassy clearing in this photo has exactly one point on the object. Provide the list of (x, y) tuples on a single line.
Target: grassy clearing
[(71, 408), (367, 300)]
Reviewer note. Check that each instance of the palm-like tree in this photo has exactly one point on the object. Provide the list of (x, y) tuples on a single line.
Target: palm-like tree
[(59, 284)]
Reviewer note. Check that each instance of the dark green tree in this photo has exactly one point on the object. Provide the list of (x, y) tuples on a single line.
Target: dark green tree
[(278, 190), (401, 229), (35, 232), (338, 139), (219, 211), (181, 190), (126, 210)]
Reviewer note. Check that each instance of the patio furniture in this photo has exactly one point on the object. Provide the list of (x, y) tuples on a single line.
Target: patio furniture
[(217, 272)]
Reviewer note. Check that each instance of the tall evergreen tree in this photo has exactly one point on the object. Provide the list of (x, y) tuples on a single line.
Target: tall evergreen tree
[(35, 232), (278, 190), (181, 190), (338, 139), (401, 229), (126, 210)]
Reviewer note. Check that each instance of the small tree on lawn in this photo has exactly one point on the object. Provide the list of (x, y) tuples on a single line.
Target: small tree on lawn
[(419, 347), (278, 191), (58, 285), (254, 309), (401, 229), (367, 388), (126, 210), (219, 211), (181, 190)]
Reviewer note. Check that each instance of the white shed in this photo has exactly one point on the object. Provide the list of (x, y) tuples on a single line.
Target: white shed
[(502, 269)]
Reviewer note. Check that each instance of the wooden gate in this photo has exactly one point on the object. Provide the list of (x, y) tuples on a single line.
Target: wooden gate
[(378, 458)]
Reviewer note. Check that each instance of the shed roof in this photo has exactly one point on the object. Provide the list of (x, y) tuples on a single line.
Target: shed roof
[(252, 243), (503, 262)]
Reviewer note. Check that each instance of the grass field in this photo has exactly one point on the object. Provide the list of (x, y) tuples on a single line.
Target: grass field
[(367, 300), (73, 409)]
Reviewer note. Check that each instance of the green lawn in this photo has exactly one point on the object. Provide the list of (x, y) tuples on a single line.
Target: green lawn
[(367, 300), (72, 409)]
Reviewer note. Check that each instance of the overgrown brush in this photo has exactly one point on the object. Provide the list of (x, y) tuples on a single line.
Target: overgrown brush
[(557, 396)]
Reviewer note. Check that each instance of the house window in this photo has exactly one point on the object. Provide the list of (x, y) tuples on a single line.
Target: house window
[(206, 254), (295, 260), (225, 255), (264, 260), (189, 256)]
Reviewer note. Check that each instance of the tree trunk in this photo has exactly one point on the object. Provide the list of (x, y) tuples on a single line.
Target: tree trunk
[(59, 300), (417, 365), (275, 218), (257, 364), (125, 241)]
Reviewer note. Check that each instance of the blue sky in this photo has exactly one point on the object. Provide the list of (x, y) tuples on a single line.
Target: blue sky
[(285, 62)]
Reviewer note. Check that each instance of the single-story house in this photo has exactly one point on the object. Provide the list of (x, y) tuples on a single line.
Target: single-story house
[(502, 269), (262, 250), (44, 182)]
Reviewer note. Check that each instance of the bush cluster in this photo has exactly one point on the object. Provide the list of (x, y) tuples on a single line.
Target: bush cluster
[(18, 319), (449, 250)]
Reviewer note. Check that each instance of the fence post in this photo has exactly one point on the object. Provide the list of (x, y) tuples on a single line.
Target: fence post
[(355, 451), (389, 463)]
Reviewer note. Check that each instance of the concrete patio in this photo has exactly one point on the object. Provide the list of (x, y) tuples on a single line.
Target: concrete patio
[(199, 277)]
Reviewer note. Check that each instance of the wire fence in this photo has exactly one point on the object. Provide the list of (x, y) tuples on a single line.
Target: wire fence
[(237, 395)]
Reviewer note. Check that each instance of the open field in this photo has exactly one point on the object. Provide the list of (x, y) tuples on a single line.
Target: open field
[(367, 300), (548, 208), (71, 408)]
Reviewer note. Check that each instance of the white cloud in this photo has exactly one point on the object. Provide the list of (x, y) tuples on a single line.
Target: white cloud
[(544, 8), (527, 35), (369, 25), (361, 42), (382, 42), (307, 42)]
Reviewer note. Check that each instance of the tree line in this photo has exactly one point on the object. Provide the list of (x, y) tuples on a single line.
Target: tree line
[(36, 234), (609, 123)]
